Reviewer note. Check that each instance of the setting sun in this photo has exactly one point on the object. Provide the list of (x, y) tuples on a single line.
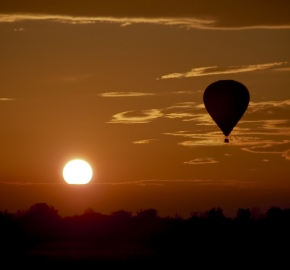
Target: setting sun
[(78, 172)]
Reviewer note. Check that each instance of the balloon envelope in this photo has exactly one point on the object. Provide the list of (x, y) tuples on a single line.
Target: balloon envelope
[(226, 101)]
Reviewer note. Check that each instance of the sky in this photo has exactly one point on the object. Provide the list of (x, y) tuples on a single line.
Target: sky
[(120, 84)]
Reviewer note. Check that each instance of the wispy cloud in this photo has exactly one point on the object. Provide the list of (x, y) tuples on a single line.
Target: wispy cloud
[(197, 182), (151, 182), (146, 116), (258, 132), (214, 70), (265, 105), (6, 99), (147, 141), (263, 142), (265, 129), (131, 117), (70, 78), (199, 161), (286, 69), (199, 138), (196, 23), (272, 149), (143, 94), (259, 112), (258, 136), (191, 14), (179, 115), (12, 183), (182, 105), (185, 92), (126, 94)]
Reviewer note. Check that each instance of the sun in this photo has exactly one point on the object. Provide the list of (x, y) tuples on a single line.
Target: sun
[(77, 172)]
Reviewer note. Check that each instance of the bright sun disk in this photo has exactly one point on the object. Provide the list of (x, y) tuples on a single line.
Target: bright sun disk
[(78, 172)]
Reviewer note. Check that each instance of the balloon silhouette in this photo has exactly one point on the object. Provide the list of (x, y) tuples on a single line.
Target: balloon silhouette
[(226, 101)]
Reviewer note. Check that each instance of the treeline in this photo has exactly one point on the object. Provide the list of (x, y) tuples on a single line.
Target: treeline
[(40, 232)]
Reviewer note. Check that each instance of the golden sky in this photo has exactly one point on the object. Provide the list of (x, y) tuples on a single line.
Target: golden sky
[(120, 84)]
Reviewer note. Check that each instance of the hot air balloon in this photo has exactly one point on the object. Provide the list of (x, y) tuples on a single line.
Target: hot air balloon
[(226, 101)]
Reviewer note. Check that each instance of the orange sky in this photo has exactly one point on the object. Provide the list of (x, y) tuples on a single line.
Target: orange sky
[(121, 86)]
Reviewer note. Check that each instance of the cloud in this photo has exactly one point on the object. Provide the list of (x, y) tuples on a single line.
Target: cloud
[(259, 136), (259, 112), (70, 78), (125, 21), (272, 149), (264, 127), (214, 70), (197, 182), (144, 141), (6, 99), (131, 117), (265, 105), (206, 142), (30, 183), (142, 94), (282, 69), (179, 115), (199, 137), (126, 94), (154, 182), (182, 105), (263, 142), (188, 111), (146, 116), (185, 92), (258, 132), (207, 14), (199, 161)]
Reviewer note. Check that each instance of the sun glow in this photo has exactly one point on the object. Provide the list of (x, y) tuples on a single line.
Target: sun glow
[(77, 172)]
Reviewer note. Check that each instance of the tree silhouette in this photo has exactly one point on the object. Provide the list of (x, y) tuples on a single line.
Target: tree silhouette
[(145, 237), (121, 215), (274, 213), (243, 214), (147, 214), (41, 221), (255, 213), (215, 214)]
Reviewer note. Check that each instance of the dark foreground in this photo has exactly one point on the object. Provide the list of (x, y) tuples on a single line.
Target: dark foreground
[(40, 239)]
